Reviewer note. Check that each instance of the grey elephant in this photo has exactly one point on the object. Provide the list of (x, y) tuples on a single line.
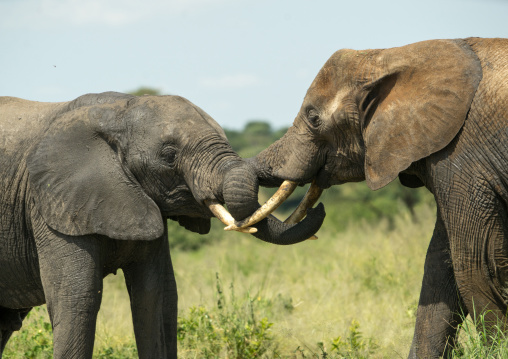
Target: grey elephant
[(433, 114), (86, 188)]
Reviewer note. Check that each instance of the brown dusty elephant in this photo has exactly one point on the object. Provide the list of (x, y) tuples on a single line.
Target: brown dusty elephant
[(434, 114), (86, 188)]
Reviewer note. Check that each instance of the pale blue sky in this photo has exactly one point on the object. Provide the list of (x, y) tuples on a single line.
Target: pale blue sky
[(237, 59)]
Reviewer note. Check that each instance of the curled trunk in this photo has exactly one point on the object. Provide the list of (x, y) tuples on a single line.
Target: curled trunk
[(240, 192)]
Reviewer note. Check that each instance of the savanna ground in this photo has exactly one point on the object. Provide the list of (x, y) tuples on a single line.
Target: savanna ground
[(353, 293)]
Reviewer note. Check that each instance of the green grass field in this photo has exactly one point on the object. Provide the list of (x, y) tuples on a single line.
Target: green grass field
[(347, 295)]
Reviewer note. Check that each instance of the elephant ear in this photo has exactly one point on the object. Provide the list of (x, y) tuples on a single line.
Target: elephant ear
[(416, 105), (78, 182)]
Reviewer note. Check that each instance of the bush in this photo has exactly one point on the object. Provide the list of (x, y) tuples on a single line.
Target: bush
[(34, 340), (255, 137), (230, 330), (351, 346)]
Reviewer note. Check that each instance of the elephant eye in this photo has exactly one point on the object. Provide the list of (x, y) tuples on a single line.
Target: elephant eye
[(169, 155), (313, 117)]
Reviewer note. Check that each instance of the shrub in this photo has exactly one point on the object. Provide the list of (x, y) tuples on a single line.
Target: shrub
[(34, 340), (230, 330), (351, 346)]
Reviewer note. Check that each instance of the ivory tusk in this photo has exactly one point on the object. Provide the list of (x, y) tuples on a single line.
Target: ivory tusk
[(225, 217), (307, 202), (271, 205)]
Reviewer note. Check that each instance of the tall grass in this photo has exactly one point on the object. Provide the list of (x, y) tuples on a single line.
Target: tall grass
[(479, 338)]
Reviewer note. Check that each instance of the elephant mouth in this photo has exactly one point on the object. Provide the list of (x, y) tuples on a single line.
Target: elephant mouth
[(284, 191), (324, 178), (180, 201)]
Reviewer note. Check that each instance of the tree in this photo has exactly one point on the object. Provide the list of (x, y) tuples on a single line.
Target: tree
[(141, 91)]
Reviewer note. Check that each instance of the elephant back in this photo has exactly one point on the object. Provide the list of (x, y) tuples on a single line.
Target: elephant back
[(21, 121)]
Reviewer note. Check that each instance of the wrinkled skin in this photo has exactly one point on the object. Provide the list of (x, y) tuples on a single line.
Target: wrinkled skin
[(435, 114), (86, 188)]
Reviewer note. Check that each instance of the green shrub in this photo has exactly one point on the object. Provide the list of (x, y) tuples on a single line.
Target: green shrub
[(353, 345), (350, 346), (34, 340), (230, 330), (125, 351)]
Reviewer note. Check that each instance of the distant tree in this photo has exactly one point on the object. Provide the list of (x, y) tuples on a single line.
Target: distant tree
[(259, 128), (255, 137), (141, 91)]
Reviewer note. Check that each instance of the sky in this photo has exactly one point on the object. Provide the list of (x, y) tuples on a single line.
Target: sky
[(239, 60)]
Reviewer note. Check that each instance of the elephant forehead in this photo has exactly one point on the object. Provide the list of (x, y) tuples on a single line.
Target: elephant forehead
[(192, 119), (334, 77), (336, 102), (327, 98), (322, 85), (170, 116)]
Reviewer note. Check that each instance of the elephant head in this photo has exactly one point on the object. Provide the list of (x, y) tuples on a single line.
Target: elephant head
[(369, 115), (118, 165)]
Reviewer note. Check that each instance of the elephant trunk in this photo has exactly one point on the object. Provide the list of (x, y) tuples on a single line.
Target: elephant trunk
[(268, 161), (240, 192)]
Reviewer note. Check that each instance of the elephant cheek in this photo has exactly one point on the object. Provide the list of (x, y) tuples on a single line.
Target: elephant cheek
[(338, 170)]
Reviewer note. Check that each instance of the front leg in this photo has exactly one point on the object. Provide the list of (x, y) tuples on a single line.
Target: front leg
[(71, 273), (476, 219), (152, 290), (440, 306)]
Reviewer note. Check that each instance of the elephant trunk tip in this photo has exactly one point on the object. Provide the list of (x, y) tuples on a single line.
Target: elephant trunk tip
[(240, 192)]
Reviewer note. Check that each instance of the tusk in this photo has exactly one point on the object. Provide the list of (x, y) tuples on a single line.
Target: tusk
[(307, 202), (225, 217), (271, 205)]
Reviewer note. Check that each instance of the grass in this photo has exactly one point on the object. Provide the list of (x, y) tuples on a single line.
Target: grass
[(479, 338), (350, 294)]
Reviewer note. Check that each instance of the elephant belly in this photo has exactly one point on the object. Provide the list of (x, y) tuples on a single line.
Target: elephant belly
[(20, 283)]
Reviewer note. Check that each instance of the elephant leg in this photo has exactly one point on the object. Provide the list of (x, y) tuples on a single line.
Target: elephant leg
[(170, 302), (476, 217), (480, 260), (440, 308), (6, 333), (71, 273), (152, 291)]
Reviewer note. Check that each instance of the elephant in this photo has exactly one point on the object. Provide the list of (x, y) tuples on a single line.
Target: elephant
[(87, 187), (434, 114)]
